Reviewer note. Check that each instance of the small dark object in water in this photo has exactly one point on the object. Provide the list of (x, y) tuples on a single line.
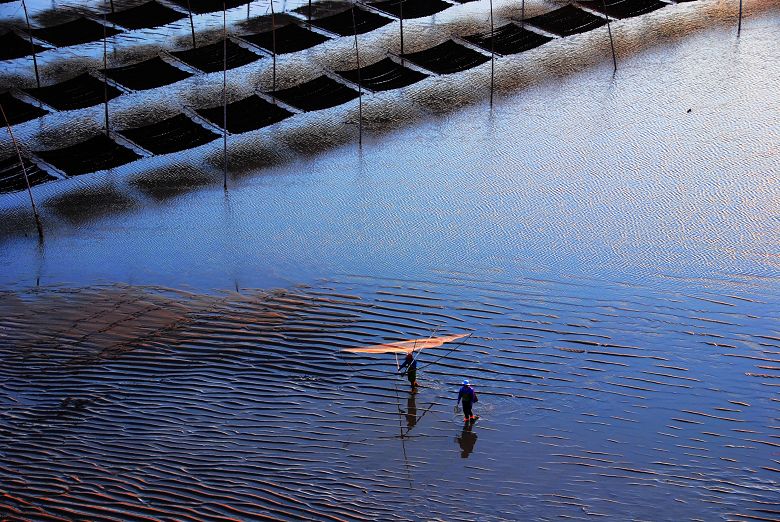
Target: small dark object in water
[(150, 14), (18, 111), (73, 403), (82, 91), (689, 110), (566, 21), (12, 175), (151, 73), (411, 8), (14, 46), (383, 75), (80, 30), (97, 153), (210, 58), (246, 115), (341, 23), (624, 8), (286, 39), (446, 58), (209, 6), (508, 39), (170, 135), (320, 93)]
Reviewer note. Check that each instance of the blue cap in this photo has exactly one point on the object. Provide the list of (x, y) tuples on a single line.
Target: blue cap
[(465, 382)]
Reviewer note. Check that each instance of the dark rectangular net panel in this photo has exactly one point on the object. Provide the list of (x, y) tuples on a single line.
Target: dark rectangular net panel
[(80, 30), (624, 8), (319, 93), (149, 14), (409, 9), (566, 21), (82, 91), (209, 6), (508, 39), (12, 174), (170, 135), (17, 111), (248, 114), (286, 39), (209, 58), (98, 153), (383, 75), (446, 58), (148, 74), (342, 23), (14, 46)]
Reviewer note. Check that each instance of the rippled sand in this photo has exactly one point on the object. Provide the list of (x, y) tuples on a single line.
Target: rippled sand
[(141, 403)]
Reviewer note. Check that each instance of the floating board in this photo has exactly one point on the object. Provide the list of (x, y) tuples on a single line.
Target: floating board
[(407, 346)]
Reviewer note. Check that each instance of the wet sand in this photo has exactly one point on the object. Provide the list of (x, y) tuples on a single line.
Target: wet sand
[(142, 403)]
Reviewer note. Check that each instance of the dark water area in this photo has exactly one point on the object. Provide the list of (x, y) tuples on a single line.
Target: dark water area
[(175, 351), (611, 400)]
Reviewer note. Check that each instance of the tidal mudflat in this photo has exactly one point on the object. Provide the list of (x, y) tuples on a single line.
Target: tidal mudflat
[(608, 243)]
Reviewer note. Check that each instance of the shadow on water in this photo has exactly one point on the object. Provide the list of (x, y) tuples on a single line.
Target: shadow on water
[(83, 205), (466, 440), (171, 181)]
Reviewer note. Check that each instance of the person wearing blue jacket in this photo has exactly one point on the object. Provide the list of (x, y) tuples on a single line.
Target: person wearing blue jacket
[(469, 397)]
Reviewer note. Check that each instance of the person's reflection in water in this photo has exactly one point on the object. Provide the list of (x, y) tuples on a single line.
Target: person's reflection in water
[(411, 412), (466, 440)]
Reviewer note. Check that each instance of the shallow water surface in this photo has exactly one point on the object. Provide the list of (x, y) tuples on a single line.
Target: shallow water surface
[(139, 401), (172, 350)]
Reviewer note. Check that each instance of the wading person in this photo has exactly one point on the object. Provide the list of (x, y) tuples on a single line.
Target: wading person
[(469, 397), (410, 363)]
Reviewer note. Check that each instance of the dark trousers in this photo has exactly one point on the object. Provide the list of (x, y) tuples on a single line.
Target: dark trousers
[(467, 409)]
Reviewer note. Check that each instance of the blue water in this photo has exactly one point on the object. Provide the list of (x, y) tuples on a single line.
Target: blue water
[(580, 173)]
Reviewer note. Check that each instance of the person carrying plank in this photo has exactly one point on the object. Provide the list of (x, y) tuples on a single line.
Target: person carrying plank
[(469, 397), (410, 363)]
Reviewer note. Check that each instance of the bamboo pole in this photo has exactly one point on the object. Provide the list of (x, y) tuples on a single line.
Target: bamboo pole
[(310, 15), (739, 26), (403, 439), (360, 83), (224, 93), (112, 5), (522, 14), (401, 20), (32, 45), (273, 45), (192, 23), (26, 178), (105, 67), (609, 30), (492, 55)]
